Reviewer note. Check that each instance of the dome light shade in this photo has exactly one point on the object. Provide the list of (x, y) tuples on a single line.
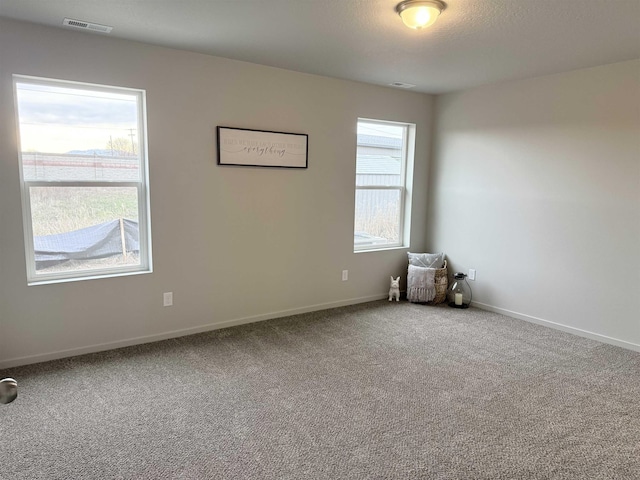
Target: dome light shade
[(419, 14)]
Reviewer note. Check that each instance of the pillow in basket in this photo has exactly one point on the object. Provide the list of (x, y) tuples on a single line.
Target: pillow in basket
[(429, 260)]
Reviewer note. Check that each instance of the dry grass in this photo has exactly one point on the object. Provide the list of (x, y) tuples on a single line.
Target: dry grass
[(64, 209), (379, 221)]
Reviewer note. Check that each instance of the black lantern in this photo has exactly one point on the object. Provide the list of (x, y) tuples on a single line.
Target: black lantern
[(459, 292)]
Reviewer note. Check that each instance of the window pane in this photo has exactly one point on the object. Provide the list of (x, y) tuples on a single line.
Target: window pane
[(377, 219), (84, 228), (382, 161), (77, 134), (379, 154), (83, 166)]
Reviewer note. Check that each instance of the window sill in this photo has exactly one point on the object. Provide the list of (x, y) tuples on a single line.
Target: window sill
[(49, 281), (382, 249)]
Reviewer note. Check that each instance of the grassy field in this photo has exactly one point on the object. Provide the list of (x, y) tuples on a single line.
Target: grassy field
[(64, 209), (377, 218)]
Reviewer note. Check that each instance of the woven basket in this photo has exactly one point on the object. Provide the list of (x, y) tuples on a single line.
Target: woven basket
[(442, 282)]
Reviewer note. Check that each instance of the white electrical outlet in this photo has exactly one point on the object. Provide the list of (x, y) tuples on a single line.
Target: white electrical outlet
[(345, 275), (167, 299), (472, 274)]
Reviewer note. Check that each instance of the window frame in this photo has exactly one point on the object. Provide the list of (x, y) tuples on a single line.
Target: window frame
[(142, 187), (406, 169)]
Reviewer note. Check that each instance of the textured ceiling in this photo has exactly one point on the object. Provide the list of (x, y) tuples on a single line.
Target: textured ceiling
[(474, 42)]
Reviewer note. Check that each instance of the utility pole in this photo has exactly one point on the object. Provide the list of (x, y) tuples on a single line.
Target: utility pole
[(133, 145)]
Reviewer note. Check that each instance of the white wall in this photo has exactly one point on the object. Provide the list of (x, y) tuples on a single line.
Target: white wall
[(233, 244), (536, 184)]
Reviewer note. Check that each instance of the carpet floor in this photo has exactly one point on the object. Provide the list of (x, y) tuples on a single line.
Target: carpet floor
[(372, 391)]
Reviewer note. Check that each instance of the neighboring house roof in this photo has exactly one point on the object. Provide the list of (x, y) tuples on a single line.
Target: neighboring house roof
[(378, 141), (382, 162)]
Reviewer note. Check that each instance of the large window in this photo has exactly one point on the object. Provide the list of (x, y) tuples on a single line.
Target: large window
[(383, 164), (83, 168)]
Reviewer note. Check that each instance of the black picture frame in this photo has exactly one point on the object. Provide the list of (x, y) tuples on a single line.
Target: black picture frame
[(244, 147)]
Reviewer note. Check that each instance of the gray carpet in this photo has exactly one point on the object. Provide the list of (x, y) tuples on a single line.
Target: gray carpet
[(372, 391)]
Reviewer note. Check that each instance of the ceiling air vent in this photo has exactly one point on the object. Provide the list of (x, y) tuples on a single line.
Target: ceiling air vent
[(79, 24), (401, 85)]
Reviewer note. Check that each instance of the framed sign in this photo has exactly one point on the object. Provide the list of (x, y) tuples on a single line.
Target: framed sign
[(259, 148)]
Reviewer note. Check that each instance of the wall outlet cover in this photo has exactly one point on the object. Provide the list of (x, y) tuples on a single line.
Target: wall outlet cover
[(167, 299)]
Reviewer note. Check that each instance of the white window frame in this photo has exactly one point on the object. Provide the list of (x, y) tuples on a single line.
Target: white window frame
[(142, 186), (404, 189)]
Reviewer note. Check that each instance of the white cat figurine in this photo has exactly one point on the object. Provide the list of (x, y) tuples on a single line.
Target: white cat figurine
[(394, 290)]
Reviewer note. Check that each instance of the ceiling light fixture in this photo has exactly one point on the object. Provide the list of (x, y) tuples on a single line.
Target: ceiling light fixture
[(419, 14)]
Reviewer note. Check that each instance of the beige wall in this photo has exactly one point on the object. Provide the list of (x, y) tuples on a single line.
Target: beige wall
[(536, 184), (232, 244)]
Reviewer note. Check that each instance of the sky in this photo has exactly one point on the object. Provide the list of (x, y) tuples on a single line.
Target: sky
[(57, 119)]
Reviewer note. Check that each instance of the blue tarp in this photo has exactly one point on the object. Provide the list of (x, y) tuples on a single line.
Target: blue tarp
[(97, 241)]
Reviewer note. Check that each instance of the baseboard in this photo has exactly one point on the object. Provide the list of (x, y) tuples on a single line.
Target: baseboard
[(45, 357), (72, 352), (559, 326)]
